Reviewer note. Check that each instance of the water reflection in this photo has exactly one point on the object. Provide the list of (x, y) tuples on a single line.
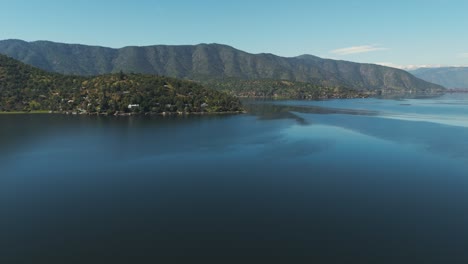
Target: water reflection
[(274, 110), (441, 131)]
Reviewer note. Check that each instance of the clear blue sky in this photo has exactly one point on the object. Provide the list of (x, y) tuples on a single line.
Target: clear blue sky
[(400, 32)]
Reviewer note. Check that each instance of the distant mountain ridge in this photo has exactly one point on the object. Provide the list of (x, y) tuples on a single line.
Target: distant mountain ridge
[(208, 62), (450, 77)]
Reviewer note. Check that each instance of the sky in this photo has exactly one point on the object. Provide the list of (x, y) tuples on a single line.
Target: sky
[(399, 33)]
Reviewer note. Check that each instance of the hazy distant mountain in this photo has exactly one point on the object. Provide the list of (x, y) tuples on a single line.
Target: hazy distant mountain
[(208, 62), (450, 77)]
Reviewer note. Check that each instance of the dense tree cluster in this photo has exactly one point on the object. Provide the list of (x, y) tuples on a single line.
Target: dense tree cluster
[(25, 88), (282, 89)]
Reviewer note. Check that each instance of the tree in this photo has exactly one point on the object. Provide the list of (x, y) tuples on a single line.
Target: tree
[(121, 75)]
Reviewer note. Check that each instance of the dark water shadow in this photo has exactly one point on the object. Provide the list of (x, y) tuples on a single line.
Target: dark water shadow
[(270, 111)]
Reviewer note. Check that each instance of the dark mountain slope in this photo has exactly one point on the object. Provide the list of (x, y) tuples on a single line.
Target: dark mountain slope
[(211, 62)]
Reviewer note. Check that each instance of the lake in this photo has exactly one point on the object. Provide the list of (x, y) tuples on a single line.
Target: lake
[(339, 181)]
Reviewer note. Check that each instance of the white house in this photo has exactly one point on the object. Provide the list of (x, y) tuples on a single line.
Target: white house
[(130, 106)]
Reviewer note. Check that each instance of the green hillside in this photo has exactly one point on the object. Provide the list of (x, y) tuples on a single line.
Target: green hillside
[(25, 88)]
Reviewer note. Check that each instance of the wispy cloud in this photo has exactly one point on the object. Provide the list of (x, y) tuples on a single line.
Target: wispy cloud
[(357, 49), (463, 55), (408, 66), (415, 66)]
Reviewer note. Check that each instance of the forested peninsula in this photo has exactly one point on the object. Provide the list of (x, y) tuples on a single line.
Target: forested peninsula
[(24, 88)]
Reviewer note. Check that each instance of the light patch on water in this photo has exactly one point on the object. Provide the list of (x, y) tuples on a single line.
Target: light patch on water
[(450, 120), (327, 133)]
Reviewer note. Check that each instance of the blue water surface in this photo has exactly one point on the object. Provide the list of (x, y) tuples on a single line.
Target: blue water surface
[(337, 181)]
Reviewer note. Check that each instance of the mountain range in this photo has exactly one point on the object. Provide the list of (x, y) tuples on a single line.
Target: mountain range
[(450, 77), (212, 64)]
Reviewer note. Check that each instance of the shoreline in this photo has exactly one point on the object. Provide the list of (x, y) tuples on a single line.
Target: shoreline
[(122, 114), (361, 96), (23, 112)]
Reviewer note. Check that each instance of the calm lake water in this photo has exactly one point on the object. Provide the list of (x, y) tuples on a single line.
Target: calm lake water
[(340, 181)]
